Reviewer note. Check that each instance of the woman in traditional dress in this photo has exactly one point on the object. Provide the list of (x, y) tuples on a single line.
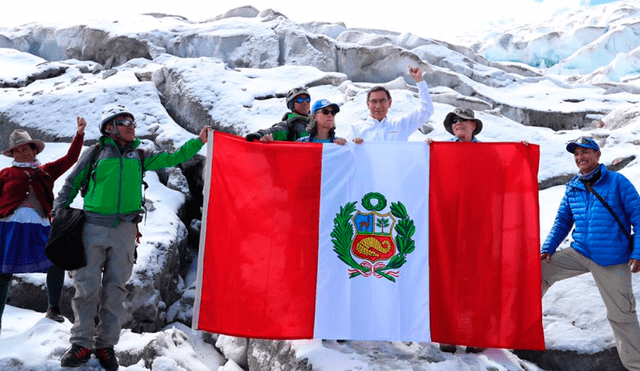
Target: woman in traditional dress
[(26, 197)]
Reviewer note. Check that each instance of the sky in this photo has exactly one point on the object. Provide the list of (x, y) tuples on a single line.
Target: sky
[(443, 19)]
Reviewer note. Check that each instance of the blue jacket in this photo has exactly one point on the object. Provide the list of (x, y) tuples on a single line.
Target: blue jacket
[(597, 235)]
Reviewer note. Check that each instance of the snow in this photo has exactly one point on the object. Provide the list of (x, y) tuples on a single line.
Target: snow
[(251, 98)]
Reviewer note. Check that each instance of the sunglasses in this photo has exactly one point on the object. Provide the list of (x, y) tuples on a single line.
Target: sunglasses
[(125, 121), (581, 140), (329, 112), (301, 100), (457, 119)]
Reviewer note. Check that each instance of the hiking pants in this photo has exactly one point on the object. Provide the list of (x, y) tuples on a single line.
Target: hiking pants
[(614, 284), (100, 286)]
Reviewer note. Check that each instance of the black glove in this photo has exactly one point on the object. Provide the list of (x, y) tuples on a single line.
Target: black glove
[(251, 137)]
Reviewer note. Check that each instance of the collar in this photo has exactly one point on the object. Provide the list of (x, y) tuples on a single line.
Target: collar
[(107, 140), (373, 121), (456, 139), (33, 165)]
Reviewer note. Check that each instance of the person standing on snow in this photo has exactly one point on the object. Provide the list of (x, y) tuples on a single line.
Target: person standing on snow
[(379, 127), (26, 190), (293, 125), (113, 171), (464, 126), (601, 242)]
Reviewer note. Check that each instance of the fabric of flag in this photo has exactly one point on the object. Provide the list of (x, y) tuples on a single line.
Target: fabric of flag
[(319, 241), (485, 245)]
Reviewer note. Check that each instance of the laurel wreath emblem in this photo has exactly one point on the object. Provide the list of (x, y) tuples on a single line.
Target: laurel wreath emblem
[(343, 234)]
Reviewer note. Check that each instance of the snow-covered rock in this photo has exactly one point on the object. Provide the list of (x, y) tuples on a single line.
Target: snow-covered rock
[(574, 75)]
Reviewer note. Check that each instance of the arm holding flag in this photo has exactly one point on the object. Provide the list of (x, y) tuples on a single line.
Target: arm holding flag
[(561, 228)]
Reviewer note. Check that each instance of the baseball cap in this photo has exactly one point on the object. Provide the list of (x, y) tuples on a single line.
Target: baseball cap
[(323, 103), (583, 142)]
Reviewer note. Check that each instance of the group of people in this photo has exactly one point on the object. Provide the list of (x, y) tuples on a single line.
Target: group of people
[(111, 172), (600, 206)]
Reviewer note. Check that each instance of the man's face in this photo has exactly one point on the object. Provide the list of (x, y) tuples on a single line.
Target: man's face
[(378, 105), (463, 129), (126, 128), (586, 159), (301, 108), (24, 153)]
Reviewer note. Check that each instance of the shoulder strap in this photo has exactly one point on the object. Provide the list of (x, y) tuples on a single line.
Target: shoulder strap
[(590, 189), (92, 161)]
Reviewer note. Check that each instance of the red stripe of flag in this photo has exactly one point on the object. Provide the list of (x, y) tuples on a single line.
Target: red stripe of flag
[(485, 245), (261, 252)]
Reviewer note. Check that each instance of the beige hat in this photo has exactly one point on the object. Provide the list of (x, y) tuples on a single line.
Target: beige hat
[(20, 137), (465, 113)]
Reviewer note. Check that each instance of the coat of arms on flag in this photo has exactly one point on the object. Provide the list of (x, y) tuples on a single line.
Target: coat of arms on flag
[(379, 253)]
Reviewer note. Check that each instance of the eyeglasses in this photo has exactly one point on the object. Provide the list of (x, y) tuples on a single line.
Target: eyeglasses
[(125, 121), (329, 112), (302, 100), (376, 101), (457, 119)]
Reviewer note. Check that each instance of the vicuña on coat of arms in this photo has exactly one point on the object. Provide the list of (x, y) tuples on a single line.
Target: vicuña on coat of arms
[(381, 242)]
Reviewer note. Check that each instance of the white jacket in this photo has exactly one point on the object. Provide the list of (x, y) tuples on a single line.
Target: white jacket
[(395, 129)]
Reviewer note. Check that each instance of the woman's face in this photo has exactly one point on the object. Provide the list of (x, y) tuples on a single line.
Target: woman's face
[(24, 153), (325, 119)]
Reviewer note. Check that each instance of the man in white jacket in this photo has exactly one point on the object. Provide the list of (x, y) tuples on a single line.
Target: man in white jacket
[(379, 127)]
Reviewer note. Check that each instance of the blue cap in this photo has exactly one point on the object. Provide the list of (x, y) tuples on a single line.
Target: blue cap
[(583, 142), (323, 103)]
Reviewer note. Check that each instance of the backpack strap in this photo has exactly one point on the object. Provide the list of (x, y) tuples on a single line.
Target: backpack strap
[(95, 153)]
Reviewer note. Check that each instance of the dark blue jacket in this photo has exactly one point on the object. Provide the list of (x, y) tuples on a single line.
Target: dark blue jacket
[(597, 235)]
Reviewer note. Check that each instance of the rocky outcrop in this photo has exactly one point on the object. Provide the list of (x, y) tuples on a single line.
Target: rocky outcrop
[(246, 38), (556, 360), (267, 355)]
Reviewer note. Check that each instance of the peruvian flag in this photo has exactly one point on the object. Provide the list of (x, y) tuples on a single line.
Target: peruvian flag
[(303, 240)]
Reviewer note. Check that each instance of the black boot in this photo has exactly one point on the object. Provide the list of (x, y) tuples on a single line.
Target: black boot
[(107, 358), (53, 313), (75, 356)]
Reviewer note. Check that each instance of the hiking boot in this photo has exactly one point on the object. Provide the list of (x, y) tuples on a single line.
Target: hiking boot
[(75, 356), (448, 348), (107, 358), (53, 313), (475, 350)]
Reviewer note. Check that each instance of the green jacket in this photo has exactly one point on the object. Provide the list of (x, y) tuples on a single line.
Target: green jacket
[(292, 127), (114, 190)]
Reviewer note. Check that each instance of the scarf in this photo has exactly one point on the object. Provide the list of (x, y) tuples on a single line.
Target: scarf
[(589, 176), (35, 164)]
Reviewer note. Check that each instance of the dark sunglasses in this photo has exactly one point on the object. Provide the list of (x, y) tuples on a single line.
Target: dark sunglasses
[(329, 112), (457, 119), (125, 121), (301, 99)]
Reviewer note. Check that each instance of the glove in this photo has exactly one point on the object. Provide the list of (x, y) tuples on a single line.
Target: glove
[(251, 137)]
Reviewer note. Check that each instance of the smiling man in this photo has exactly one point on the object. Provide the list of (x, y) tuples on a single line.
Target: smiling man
[(109, 176), (601, 244), (463, 124), (379, 127)]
